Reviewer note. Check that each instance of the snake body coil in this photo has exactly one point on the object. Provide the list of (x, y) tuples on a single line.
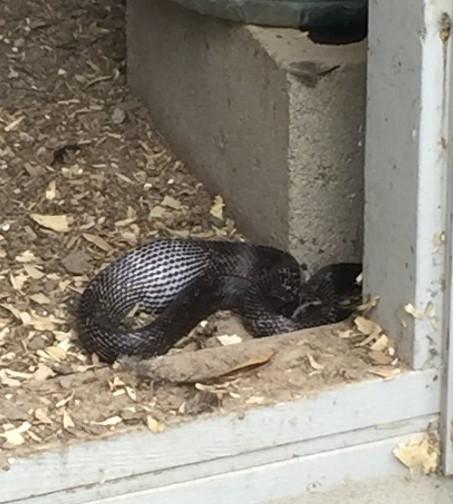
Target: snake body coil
[(184, 281)]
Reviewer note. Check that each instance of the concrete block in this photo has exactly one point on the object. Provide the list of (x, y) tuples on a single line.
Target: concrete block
[(265, 117)]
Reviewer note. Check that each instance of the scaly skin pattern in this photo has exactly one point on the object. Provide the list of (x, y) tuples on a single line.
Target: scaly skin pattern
[(184, 281)]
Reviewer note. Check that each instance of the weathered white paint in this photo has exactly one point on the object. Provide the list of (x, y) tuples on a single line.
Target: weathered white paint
[(405, 171), (289, 478), (356, 406), (447, 325), (191, 472)]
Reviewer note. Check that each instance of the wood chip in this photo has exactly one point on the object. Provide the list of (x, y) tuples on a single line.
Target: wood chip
[(42, 416), (410, 308), (33, 272), (56, 353), (217, 207), (385, 372), (170, 202), (366, 326), (229, 339), (14, 124), (40, 298), (51, 190), (7, 381), (314, 364), (114, 420), (157, 212), (18, 281), (14, 436), (58, 223), (26, 257), (43, 372), (381, 343), (68, 423), (154, 425), (98, 241), (380, 358)]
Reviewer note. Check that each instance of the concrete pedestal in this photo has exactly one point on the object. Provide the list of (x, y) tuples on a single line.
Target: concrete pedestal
[(270, 120)]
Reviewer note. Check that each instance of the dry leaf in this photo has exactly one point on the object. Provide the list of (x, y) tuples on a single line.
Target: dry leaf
[(14, 436), (98, 241), (42, 416), (154, 425), (367, 327), (380, 344), (58, 223), (40, 298), (157, 212), (43, 372), (26, 257), (170, 202), (424, 453), (18, 281), (217, 207), (56, 352), (33, 271), (6, 380), (380, 358)]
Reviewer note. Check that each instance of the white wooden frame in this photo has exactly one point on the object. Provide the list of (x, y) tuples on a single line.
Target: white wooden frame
[(406, 162), (447, 349), (284, 436), (348, 433)]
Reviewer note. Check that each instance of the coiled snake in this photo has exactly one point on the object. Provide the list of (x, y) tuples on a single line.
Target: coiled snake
[(183, 281)]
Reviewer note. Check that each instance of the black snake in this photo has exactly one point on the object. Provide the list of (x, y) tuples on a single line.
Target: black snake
[(184, 281)]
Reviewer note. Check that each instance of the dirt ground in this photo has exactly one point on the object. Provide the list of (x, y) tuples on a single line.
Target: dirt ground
[(83, 178)]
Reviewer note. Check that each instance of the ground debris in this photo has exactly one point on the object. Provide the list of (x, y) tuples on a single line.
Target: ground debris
[(83, 178), (422, 451)]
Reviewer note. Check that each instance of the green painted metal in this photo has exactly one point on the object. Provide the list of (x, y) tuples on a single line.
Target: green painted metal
[(305, 14)]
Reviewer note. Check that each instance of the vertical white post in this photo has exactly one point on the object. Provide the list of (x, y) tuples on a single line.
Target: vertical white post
[(446, 417), (405, 173)]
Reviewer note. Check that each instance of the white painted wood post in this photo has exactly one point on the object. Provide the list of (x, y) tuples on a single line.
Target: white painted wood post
[(446, 418), (405, 173)]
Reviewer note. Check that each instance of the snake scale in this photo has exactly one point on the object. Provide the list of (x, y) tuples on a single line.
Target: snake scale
[(183, 281)]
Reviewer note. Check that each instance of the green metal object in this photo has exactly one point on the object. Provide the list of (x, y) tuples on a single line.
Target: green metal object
[(322, 15)]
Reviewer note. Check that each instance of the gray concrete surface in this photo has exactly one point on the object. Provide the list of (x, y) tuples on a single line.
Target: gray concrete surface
[(395, 490), (263, 116)]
